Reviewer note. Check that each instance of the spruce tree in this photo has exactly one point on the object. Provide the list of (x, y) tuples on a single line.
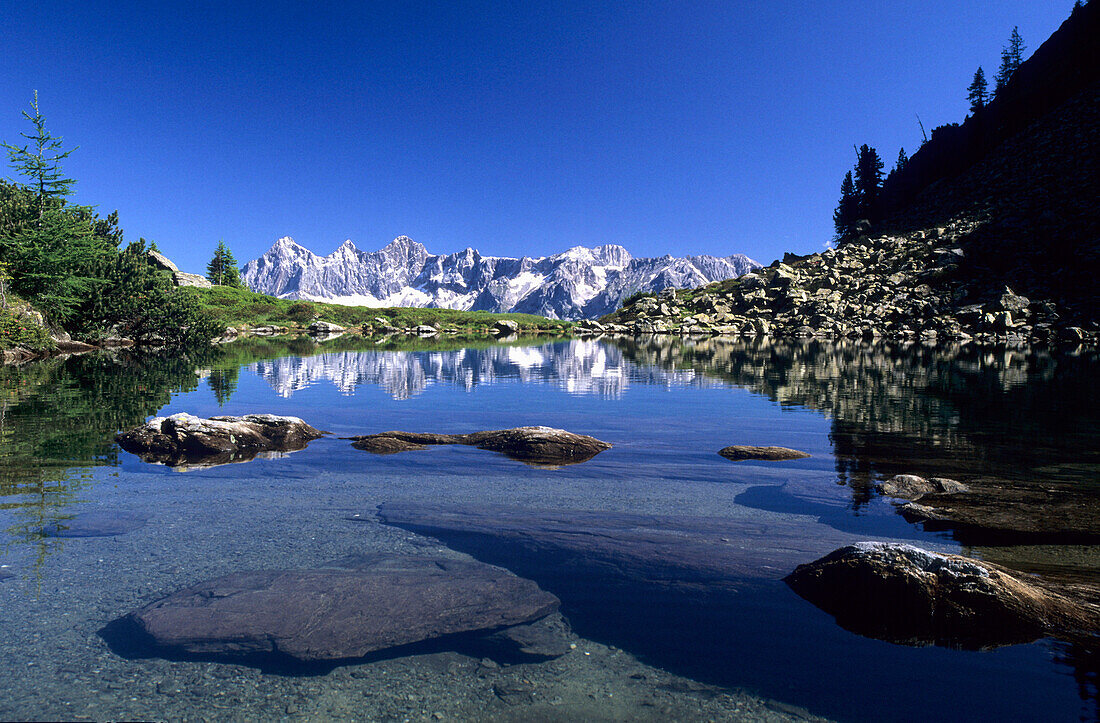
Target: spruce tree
[(222, 269), (1012, 55), (903, 160), (52, 254), (845, 215), (868, 183), (978, 91)]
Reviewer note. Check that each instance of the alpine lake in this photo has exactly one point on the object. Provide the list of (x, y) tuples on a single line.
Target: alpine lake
[(90, 533)]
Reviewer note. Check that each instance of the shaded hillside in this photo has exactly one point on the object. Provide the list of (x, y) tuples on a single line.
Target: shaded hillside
[(1007, 247)]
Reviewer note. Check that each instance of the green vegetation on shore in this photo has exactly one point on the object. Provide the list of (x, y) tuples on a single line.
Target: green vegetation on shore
[(64, 268), (238, 307)]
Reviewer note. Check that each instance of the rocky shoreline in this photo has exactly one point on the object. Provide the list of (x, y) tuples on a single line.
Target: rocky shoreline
[(896, 287)]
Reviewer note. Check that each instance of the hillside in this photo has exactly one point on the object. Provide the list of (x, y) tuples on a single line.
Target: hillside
[(1007, 247)]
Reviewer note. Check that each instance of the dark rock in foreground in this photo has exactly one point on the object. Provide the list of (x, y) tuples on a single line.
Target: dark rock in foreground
[(184, 439), (4, 575), (907, 595), (740, 452), (372, 604), (533, 445)]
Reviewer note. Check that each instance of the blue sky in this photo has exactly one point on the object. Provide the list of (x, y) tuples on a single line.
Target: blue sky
[(515, 128)]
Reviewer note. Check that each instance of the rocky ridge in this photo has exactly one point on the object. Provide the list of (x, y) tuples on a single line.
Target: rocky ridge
[(1005, 250)]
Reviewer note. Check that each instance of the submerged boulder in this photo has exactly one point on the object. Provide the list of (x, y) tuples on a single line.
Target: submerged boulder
[(364, 605), (183, 438), (907, 595), (739, 452), (533, 445)]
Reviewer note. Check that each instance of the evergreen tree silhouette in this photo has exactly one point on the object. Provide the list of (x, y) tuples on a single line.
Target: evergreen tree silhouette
[(1011, 57), (845, 215), (978, 92), (903, 160), (868, 183)]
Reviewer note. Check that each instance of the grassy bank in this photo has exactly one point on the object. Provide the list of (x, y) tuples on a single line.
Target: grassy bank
[(240, 307)]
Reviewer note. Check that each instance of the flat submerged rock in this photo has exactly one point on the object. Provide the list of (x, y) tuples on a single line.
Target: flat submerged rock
[(96, 524), (329, 614), (539, 446)]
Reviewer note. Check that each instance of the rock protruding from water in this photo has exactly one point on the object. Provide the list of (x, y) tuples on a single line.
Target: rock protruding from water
[(533, 445), (912, 487), (740, 452), (184, 439), (373, 603), (907, 595)]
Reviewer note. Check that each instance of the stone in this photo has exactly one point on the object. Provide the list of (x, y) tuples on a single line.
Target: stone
[(540, 446), (426, 330), (325, 327), (358, 606), (184, 439), (161, 261), (739, 452), (912, 487), (504, 327), (267, 330), (182, 278), (903, 594)]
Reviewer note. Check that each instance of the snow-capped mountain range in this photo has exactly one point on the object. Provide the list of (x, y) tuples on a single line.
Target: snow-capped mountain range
[(576, 284)]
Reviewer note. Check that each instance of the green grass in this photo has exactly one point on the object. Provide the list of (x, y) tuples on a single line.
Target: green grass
[(241, 307)]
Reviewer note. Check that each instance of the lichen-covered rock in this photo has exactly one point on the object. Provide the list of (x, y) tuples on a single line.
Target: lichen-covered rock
[(343, 612), (907, 595), (533, 445), (184, 439), (740, 452)]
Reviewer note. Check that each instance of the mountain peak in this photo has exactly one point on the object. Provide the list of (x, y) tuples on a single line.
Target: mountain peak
[(403, 243)]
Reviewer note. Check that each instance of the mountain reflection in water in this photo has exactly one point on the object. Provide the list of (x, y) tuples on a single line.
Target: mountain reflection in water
[(1026, 415)]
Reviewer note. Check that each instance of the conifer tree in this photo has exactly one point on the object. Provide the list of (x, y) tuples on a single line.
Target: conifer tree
[(868, 183), (845, 215), (1012, 55), (53, 254), (978, 91), (903, 160), (222, 269)]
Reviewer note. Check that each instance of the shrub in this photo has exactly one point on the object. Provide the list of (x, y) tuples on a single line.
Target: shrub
[(19, 330)]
